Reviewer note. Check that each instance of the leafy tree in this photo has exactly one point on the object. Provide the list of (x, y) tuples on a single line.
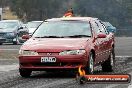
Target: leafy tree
[(36, 9), (107, 10)]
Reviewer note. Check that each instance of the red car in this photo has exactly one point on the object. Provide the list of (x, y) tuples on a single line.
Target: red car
[(67, 43)]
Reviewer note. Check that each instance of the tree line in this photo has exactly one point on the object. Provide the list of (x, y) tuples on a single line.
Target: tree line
[(117, 12)]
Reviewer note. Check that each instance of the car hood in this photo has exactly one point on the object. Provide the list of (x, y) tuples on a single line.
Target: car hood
[(53, 44)]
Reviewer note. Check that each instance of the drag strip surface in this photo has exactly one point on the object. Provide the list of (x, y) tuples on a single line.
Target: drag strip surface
[(10, 78)]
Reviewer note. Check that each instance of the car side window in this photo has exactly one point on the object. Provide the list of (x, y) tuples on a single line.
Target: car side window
[(102, 27), (96, 28)]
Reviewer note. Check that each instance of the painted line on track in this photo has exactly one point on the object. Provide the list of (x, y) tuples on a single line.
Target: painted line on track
[(7, 68), (123, 56), (9, 49)]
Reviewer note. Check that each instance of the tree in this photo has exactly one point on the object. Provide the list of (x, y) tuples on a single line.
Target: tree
[(107, 10), (36, 9)]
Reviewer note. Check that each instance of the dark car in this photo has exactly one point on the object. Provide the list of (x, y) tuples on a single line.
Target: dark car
[(65, 44), (11, 31), (109, 27)]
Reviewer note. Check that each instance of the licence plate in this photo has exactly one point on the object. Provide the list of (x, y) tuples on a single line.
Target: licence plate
[(48, 59)]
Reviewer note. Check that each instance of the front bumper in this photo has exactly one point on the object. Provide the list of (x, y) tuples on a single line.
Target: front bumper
[(62, 62), (2, 40), (7, 39)]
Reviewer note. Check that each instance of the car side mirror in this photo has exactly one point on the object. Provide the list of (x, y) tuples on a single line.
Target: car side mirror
[(26, 37), (101, 35)]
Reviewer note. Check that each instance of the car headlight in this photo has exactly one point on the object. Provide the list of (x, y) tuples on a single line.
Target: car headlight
[(72, 52), (26, 52)]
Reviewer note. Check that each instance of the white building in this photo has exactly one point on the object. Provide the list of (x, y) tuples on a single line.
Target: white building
[(0, 13)]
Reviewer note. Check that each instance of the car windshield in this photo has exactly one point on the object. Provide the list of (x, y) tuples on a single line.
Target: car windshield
[(63, 29), (33, 24), (8, 25)]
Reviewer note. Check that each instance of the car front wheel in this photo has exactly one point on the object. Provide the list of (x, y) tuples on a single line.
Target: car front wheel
[(17, 41), (90, 66), (25, 73)]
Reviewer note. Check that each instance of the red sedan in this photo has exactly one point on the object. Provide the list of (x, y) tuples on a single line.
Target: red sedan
[(67, 43)]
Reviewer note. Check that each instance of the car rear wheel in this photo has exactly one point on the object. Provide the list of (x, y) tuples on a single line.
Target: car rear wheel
[(17, 41), (108, 65), (90, 66), (25, 73), (1, 43)]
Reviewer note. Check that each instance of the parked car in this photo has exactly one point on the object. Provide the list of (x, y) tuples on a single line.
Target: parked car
[(11, 31), (32, 26), (110, 27), (65, 44)]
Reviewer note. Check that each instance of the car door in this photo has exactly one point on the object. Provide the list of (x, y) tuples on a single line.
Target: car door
[(97, 44), (106, 43)]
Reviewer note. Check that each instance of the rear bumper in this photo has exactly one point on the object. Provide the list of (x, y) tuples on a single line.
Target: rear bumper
[(62, 63)]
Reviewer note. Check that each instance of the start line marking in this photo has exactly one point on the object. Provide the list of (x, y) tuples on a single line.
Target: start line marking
[(7, 68), (8, 49)]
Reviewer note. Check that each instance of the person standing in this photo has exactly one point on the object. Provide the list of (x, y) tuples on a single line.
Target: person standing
[(69, 13)]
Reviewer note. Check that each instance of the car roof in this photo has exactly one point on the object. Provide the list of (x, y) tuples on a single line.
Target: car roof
[(72, 18)]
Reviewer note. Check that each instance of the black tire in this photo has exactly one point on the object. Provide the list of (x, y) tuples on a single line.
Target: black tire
[(17, 41), (89, 69), (109, 65), (81, 80), (1, 43), (25, 73)]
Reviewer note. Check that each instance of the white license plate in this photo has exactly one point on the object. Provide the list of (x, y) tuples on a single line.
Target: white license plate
[(48, 59)]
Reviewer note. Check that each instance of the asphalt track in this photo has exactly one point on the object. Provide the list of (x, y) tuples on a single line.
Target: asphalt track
[(10, 78)]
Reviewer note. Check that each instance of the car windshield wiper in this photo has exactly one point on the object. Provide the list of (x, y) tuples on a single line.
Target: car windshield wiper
[(78, 36), (50, 37)]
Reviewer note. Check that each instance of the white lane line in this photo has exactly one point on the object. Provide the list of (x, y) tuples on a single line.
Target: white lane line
[(123, 56), (7, 68), (130, 86), (9, 49)]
